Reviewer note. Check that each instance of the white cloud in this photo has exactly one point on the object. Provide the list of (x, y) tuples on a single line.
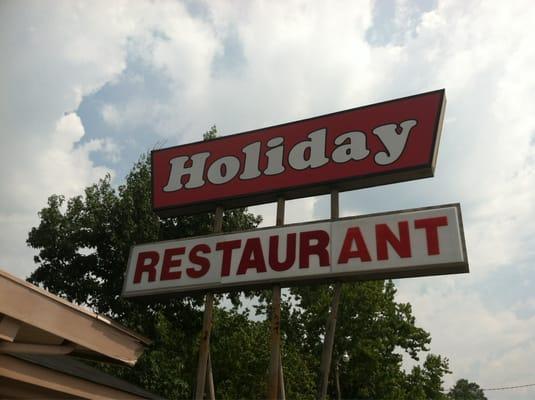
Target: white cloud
[(295, 211), (111, 115), (294, 60), (53, 55), (485, 161), (492, 348)]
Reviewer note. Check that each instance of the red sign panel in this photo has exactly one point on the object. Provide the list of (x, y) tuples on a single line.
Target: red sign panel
[(367, 146)]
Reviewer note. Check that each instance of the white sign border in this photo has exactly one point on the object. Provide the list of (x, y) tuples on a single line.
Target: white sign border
[(386, 273)]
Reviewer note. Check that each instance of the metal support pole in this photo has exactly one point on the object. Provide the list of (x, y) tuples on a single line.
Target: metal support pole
[(335, 204), (275, 383), (204, 345), (282, 391), (338, 391), (210, 390), (204, 366), (280, 212), (218, 220), (274, 365), (327, 353)]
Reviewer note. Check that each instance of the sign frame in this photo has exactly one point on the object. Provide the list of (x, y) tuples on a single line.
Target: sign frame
[(386, 273), (297, 190)]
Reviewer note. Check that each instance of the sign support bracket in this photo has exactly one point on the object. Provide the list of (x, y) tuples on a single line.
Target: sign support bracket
[(276, 378), (204, 366), (327, 352)]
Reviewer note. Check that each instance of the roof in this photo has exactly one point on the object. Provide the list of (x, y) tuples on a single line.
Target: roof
[(70, 366), (33, 320)]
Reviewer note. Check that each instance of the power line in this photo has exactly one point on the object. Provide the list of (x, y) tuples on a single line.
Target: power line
[(509, 387)]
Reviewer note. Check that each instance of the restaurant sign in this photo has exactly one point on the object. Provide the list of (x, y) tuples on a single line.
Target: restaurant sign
[(426, 241)]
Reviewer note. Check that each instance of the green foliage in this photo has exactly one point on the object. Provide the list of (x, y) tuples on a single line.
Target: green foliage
[(211, 133), (464, 390), (83, 245), (426, 382), (372, 329), (240, 353)]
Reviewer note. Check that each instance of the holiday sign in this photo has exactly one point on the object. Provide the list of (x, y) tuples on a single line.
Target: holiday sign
[(378, 144)]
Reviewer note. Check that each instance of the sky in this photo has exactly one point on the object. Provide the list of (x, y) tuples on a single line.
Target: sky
[(87, 87)]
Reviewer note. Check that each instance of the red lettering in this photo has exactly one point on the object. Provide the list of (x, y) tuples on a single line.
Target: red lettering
[(169, 262), (227, 248), (384, 236), (274, 262), (252, 257), (150, 267), (306, 248), (354, 235), (202, 262), (431, 232)]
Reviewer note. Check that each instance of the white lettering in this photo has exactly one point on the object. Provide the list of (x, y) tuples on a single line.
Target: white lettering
[(315, 147), (354, 150), (393, 141), (223, 170), (252, 159), (275, 156), (178, 170), (306, 154)]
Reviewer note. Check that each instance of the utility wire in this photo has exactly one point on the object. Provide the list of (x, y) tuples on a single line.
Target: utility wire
[(509, 387)]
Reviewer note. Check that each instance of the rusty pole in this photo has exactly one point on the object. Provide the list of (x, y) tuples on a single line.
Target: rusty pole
[(204, 365), (276, 383), (327, 353)]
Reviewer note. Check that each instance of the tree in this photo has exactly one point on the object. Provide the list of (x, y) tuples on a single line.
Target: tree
[(83, 245), (464, 390), (372, 328), (426, 382)]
